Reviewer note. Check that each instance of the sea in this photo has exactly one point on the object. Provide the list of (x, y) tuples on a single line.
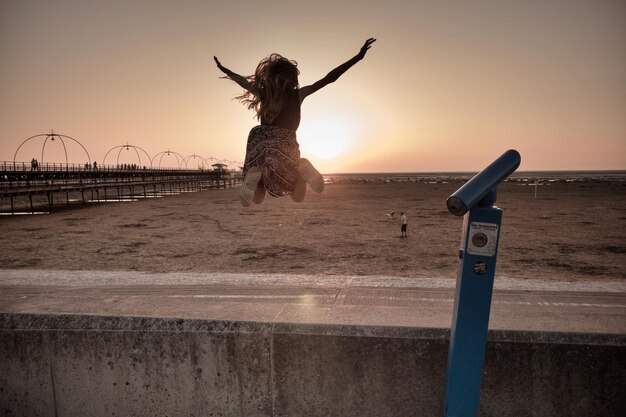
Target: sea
[(530, 177)]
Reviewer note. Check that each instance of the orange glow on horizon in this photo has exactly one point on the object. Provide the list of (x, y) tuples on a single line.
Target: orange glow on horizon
[(327, 139)]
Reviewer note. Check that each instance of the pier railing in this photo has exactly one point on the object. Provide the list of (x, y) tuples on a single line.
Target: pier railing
[(77, 167)]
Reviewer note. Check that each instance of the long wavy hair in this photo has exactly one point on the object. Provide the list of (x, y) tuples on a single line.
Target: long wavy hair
[(274, 76)]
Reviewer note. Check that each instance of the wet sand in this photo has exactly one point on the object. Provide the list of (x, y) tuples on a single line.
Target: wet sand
[(573, 231)]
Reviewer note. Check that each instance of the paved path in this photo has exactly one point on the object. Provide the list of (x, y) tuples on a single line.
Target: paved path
[(527, 306)]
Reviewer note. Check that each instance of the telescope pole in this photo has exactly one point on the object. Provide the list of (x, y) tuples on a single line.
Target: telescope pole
[(472, 304)]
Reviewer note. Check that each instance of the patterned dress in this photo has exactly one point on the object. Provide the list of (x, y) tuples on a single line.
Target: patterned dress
[(276, 152)]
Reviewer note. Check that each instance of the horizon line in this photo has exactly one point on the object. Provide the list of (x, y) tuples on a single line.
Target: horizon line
[(553, 171)]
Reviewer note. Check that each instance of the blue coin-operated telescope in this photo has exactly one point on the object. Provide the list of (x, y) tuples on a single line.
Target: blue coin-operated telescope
[(474, 284)]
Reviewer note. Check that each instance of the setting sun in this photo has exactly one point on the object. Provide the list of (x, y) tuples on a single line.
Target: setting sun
[(324, 138)]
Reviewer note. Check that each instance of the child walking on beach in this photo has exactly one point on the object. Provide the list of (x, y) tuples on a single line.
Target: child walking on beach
[(273, 162)]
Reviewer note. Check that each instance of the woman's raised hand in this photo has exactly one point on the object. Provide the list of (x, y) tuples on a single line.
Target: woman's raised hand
[(219, 64), (364, 48)]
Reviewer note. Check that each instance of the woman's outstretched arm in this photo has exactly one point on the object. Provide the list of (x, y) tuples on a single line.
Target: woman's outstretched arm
[(337, 72), (239, 79)]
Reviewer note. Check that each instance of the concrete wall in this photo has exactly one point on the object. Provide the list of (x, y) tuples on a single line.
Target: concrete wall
[(71, 365)]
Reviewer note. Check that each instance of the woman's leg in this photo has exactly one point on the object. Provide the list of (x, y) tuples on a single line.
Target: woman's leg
[(311, 175), (259, 194), (299, 191)]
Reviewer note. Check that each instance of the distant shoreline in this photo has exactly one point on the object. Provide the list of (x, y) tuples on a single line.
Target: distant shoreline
[(556, 173), (443, 177)]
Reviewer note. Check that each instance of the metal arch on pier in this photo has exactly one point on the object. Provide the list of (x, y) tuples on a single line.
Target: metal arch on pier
[(51, 136), (127, 147), (229, 163), (168, 152), (238, 165), (43, 148), (194, 156)]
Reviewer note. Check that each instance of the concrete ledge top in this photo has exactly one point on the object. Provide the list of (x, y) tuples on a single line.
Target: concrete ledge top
[(112, 278), (535, 311), (81, 322)]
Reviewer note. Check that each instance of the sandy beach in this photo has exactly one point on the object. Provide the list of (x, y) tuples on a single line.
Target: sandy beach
[(572, 231)]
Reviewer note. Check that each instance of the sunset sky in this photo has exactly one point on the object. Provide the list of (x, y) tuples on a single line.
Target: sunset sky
[(448, 86)]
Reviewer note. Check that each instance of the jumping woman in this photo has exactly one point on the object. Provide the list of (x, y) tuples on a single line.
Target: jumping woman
[(273, 162)]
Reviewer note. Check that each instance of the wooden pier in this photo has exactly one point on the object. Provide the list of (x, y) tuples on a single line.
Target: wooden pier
[(24, 189)]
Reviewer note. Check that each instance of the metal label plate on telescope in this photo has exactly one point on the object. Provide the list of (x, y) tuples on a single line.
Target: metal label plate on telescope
[(483, 239)]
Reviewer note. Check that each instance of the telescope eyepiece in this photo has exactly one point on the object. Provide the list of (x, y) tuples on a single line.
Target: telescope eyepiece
[(456, 206)]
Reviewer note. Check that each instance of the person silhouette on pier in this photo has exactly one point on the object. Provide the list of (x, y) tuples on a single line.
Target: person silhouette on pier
[(273, 163)]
